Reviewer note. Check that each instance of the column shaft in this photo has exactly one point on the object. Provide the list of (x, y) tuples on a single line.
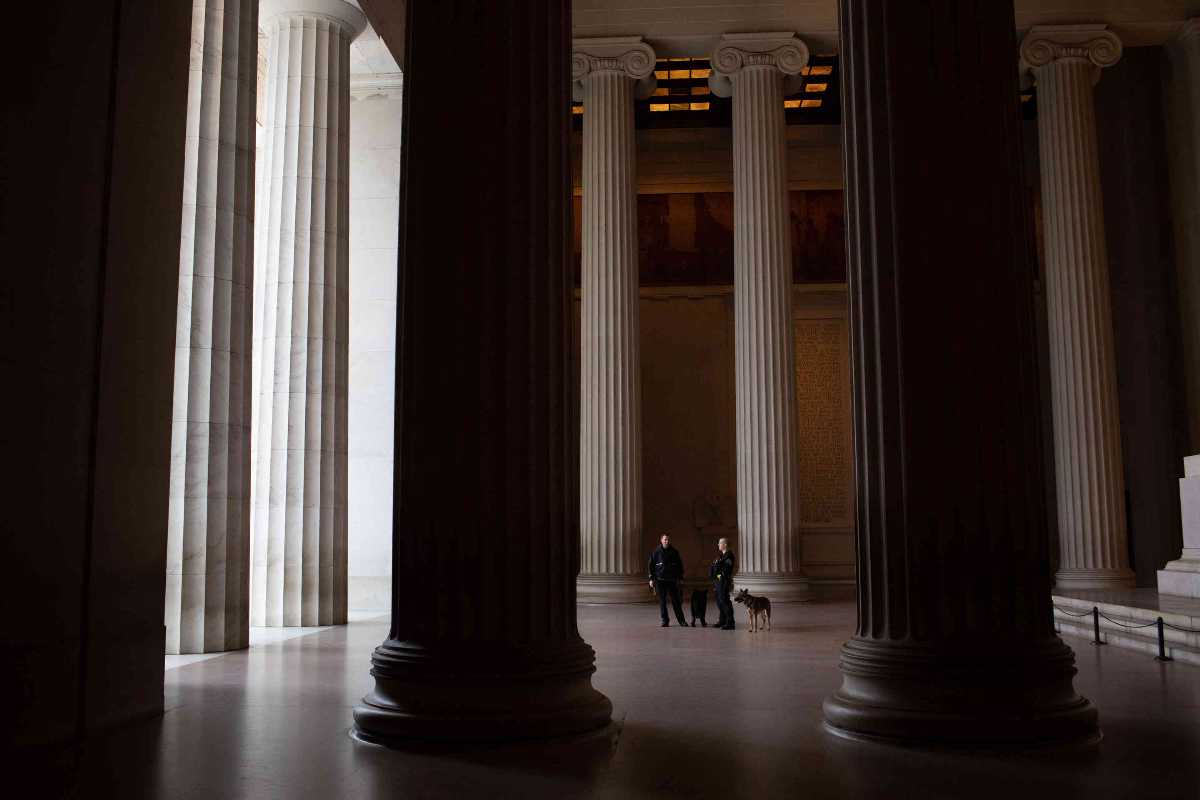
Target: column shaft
[(610, 512), (955, 640), (300, 446), (484, 642), (767, 461), (1089, 475), (208, 532)]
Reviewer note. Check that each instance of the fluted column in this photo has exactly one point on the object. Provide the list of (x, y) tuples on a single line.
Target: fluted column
[(483, 641), (606, 74), (753, 68), (208, 527), (303, 250), (1093, 551), (955, 640)]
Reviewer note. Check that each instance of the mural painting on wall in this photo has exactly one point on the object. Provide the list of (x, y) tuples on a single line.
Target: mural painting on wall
[(687, 239)]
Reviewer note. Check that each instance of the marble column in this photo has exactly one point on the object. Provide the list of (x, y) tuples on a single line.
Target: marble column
[(606, 74), (955, 641), (303, 250), (1093, 552), (208, 527), (753, 68), (484, 642), (1183, 134)]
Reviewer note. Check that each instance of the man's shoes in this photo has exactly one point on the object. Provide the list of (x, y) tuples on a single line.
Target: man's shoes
[(666, 625), (727, 628)]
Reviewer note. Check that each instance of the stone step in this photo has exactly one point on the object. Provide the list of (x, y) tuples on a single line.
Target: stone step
[(1180, 645)]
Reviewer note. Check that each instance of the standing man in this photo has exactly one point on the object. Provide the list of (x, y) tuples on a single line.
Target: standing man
[(666, 570), (721, 573)]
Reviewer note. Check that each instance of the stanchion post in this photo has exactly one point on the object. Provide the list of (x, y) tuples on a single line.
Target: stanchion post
[(1096, 625), (1162, 643)]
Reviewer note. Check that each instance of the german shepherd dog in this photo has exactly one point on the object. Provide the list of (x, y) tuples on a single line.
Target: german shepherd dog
[(699, 606), (757, 607)]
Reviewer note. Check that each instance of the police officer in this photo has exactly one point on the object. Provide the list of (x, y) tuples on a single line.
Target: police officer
[(666, 570), (721, 573)]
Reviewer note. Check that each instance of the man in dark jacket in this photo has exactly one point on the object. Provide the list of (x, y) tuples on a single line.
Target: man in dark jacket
[(721, 573), (666, 570)]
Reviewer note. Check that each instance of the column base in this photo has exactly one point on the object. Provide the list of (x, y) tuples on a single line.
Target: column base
[(776, 588), (479, 694), (613, 589), (1181, 577), (1094, 579), (993, 695)]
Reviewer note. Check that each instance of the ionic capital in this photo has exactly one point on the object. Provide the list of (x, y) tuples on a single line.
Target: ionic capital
[(625, 55), (738, 51), (1048, 44)]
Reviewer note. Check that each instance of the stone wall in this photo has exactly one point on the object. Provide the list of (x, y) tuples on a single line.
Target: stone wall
[(374, 222), (1141, 248), (688, 442)]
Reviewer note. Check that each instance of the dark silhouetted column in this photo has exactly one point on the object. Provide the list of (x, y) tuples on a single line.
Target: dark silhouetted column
[(955, 639), (484, 642)]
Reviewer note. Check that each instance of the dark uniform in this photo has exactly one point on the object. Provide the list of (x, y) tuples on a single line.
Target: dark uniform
[(721, 573), (666, 570)]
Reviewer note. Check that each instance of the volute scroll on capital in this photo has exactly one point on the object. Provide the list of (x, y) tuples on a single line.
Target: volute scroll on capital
[(626, 55), (782, 51), (1046, 44)]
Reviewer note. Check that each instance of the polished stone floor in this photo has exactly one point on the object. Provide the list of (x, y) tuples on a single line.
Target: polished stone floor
[(700, 713)]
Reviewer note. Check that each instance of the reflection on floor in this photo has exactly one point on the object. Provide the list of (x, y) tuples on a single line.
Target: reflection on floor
[(262, 636), (701, 713)]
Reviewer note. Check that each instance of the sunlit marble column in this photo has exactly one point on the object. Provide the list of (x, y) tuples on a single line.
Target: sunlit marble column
[(955, 641), (484, 642), (606, 74), (1066, 62), (754, 68), (303, 249), (208, 531)]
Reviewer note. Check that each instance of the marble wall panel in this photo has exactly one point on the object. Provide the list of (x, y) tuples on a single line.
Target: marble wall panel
[(375, 118), (688, 447)]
